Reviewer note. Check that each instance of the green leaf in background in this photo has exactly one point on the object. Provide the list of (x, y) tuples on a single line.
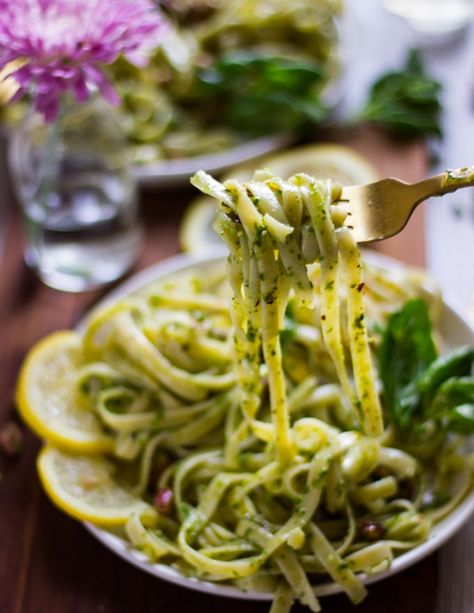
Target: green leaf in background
[(406, 102), (257, 93), (417, 386)]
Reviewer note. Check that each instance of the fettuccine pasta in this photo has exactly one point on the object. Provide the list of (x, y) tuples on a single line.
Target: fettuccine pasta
[(245, 406)]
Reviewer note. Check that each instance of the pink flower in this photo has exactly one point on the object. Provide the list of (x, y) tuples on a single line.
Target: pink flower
[(64, 44)]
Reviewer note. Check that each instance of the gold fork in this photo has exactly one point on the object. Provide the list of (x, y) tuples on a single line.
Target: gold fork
[(380, 210)]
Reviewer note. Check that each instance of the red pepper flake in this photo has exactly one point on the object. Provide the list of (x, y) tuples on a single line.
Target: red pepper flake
[(164, 500), (11, 440), (360, 287)]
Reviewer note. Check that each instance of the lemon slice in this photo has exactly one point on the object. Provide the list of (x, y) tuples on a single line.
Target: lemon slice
[(323, 161), (84, 487), (48, 400)]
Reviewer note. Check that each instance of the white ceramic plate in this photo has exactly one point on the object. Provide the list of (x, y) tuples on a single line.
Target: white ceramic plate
[(455, 331)]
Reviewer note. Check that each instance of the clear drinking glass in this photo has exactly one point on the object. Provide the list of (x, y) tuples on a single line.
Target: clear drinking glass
[(78, 196)]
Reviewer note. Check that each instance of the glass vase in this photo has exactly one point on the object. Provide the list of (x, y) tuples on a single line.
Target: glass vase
[(78, 196)]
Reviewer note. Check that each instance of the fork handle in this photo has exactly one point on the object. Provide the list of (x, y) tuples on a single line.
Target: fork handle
[(454, 179), (448, 181)]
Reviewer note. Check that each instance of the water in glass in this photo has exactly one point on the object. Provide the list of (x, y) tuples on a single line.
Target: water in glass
[(79, 199)]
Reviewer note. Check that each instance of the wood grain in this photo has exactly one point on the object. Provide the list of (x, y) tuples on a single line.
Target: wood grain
[(48, 562)]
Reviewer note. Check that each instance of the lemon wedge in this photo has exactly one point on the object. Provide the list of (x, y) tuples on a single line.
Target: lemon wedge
[(337, 162), (48, 400), (84, 487)]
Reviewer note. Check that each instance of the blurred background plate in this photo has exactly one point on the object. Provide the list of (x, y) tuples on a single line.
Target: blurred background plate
[(170, 173)]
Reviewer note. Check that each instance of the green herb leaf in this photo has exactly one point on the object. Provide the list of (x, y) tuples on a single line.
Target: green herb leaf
[(417, 386), (258, 93), (454, 401), (406, 102), (448, 367), (406, 350)]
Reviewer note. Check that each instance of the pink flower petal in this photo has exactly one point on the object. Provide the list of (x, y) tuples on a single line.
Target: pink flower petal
[(109, 93), (67, 41), (81, 91)]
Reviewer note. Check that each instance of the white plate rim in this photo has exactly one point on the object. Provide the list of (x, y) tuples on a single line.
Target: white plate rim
[(440, 533), (170, 173)]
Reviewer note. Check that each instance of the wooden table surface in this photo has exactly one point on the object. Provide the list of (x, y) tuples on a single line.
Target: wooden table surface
[(49, 562)]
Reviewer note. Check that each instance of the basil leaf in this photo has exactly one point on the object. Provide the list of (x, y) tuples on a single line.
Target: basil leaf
[(407, 348), (406, 102), (461, 419), (259, 93), (454, 402), (417, 386), (446, 367)]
